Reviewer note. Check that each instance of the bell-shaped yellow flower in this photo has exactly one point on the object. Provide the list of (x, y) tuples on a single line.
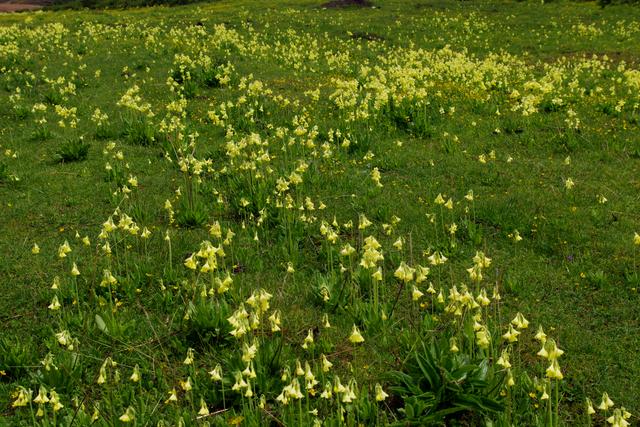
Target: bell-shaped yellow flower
[(326, 364), (404, 272), (520, 322), (135, 376), (216, 373), (128, 416), (606, 402), (617, 419), (540, 335), (511, 335), (503, 360), (380, 393), (308, 339), (553, 371), (356, 337), (55, 304)]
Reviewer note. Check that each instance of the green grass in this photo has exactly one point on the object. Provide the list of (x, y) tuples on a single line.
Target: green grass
[(448, 97)]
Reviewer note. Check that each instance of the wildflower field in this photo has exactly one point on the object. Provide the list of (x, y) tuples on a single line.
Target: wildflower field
[(268, 213)]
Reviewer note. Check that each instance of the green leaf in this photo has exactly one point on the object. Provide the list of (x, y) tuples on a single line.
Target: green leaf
[(101, 325)]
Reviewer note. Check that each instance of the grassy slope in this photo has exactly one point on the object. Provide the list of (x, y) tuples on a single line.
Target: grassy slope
[(552, 276)]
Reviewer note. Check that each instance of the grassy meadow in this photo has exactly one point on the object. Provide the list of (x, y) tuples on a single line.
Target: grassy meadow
[(267, 213)]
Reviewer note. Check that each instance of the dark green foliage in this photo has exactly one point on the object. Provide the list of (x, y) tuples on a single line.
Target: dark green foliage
[(138, 131), (4, 172), (437, 386), (73, 150), (15, 358), (192, 215)]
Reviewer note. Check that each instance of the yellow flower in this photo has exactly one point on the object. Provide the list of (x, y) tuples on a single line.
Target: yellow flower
[(191, 263), (375, 177), (520, 322), (516, 236), (356, 337), (398, 243), (553, 371), (186, 385), (308, 339), (274, 319), (431, 290), (606, 402), (327, 393), (503, 360), (568, 183), (590, 410), (404, 272), (380, 394), (204, 411), (475, 273), (74, 270), (216, 373), (416, 294), (249, 351), (453, 345), (135, 376), (550, 350), (437, 258), (449, 204), (636, 239), (421, 273), (54, 401), (347, 250), (540, 335), (511, 335), (128, 416), (189, 359), (64, 249), (42, 396), (482, 337), (35, 249), (481, 259), (363, 222), (326, 364), (173, 397), (22, 396), (55, 304), (617, 419), (325, 321)]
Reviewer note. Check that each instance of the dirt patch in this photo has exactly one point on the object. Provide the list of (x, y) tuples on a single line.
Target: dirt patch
[(366, 36), (18, 6), (337, 4)]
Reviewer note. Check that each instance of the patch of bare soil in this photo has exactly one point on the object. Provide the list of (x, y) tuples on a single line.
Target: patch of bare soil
[(358, 35), (336, 4), (19, 6)]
